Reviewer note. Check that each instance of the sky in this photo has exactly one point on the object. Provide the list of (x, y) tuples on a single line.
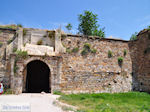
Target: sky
[(121, 18)]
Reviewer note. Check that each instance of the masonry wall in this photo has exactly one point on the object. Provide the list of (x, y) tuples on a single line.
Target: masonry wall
[(95, 72), (6, 36), (140, 54)]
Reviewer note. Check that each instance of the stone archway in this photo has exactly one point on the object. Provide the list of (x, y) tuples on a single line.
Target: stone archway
[(37, 77)]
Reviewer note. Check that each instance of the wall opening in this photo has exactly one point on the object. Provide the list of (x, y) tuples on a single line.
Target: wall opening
[(38, 77)]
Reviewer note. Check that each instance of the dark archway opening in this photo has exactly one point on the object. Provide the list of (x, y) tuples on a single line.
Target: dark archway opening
[(37, 79)]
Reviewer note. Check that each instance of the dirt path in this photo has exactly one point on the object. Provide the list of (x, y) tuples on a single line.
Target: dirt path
[(38, 102)]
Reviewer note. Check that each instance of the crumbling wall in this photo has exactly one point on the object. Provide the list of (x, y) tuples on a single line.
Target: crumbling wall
[(95, 72)]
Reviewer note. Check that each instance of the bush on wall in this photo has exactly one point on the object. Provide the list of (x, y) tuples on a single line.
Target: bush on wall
[(109, 54), (120, 61)]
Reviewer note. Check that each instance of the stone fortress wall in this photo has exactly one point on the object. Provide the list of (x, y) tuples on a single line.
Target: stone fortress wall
[(78, 63)]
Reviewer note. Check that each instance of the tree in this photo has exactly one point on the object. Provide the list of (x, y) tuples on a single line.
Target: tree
[(134, 36), (89, 25), (69, 27)]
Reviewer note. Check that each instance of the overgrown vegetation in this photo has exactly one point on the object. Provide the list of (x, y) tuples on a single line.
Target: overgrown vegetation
[(93, 51), (51, 34), (89, 25), (69, 27), (21, 54), (107, 102), (68, 50), (40, 42), (14, 50), (87, 49), (134, 36), (125, 52), (12, 26), (75, 50), (120, 60), (1, 44), (110, 54), (8, 91)]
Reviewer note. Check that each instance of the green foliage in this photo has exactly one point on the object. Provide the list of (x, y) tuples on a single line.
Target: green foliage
[(125, 52), (68, 50), (14, 49), (24, 32), (120, 60), (9, 41), (84, 52), (51, 34), (0, 32), (75, 50), (69, 27), (19, 25), (110, 54), (1, 44), (12, 26), (86, 49), (87, 46), (40, 42), (109, 102), (8, 91), (22, 54), (58, 92), (89, 24), (134, 36), (93, 51)]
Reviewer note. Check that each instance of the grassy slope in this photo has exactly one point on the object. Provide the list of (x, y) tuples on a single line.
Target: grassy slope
[(106, 102)]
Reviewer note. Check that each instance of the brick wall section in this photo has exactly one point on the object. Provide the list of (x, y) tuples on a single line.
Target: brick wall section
[(141, 61), (96, 72)]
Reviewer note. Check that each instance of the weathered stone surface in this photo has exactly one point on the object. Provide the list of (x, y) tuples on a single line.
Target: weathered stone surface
[(38, 50), (72, 72)]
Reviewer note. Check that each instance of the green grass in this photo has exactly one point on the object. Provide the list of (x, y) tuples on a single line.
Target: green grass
[(107, 102)]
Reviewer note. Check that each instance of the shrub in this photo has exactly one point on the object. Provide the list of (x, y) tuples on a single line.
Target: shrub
[(125, 52), (19, 25), (40, 42), (87, 46), (1, 44), (14, 49), (22, 54), (93, 51), (68, 50), (75, 49), (120, 60), (133, 36), (109, 54), (84, 52)]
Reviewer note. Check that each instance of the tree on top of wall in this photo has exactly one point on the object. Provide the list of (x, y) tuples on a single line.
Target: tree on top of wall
[(89, 25), (134, 36), (69, 27)]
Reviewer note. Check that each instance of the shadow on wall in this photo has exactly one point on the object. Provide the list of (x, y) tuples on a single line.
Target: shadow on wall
[(140, 56)]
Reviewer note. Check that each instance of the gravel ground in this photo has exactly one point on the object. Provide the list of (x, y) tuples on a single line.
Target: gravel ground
[(38, 102)]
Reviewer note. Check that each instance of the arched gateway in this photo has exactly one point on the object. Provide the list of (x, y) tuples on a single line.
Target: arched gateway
[(37, 77)]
